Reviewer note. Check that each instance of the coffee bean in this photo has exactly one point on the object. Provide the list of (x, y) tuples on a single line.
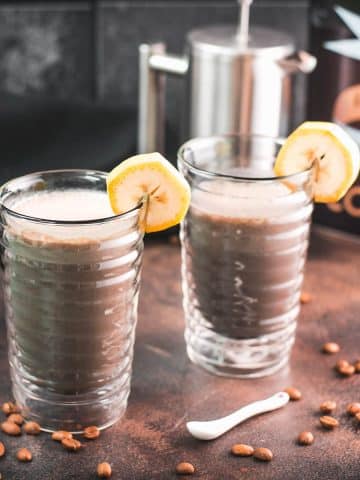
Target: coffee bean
[(305, 438), (2, 449), (329, 422), (305, 297), (242, 450), (353, 408), (10, 407), (263, 454), (24, 455), (10, 428), (328, 406), (91, 433), (16, 418), (346, 370), (60, 435), (341, 364), (331, 347), (357, 416), (104, 470), (357, 366), (32, 428), (293, 393), (185, 468), (71, 444)]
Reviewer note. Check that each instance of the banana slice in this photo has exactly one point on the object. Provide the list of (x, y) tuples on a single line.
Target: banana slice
[(334, 154), (151, 177)]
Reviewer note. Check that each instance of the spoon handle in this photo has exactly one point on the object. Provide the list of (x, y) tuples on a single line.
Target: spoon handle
[(215, 428), (272, 403)]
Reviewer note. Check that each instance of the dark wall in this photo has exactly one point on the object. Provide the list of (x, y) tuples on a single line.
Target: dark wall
[(86, 52), (49, 47)]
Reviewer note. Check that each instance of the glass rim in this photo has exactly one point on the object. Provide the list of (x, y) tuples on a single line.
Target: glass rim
[(187, 146), (83, 171)]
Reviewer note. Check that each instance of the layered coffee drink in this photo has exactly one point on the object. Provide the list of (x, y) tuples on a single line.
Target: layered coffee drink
[(71, 285), (247, 245), (244, 244), (71, 244)]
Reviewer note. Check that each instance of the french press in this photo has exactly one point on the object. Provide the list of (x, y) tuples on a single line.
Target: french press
[(237, 81)]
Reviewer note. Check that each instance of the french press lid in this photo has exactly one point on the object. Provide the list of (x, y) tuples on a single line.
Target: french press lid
[(224, 40)]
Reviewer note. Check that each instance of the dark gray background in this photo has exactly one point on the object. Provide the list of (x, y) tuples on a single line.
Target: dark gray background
[(68, 73), (88, 50)]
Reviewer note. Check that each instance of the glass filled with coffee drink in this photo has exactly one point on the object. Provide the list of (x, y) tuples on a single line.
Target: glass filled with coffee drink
[(244, 244), (71, 284)]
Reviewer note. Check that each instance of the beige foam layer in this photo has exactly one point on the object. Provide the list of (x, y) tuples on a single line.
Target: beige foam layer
[(248, 200), (69, 205)]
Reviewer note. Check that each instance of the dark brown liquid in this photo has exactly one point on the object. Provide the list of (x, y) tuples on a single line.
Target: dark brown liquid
[(71, 308), (245, 274)]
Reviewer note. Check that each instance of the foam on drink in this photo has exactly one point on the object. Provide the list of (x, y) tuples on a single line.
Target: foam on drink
[(265, 199), (70, 205)]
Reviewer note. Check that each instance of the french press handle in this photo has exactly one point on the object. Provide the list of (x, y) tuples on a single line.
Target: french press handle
[(154, 65)]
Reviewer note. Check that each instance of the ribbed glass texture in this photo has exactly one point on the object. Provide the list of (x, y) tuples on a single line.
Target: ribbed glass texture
[(71, 293)]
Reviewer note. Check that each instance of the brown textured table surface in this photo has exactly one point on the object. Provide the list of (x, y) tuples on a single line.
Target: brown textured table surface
[(167, 391)]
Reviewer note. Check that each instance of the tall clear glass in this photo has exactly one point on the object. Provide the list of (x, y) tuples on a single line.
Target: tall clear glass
[(244, 244), (71, 293)]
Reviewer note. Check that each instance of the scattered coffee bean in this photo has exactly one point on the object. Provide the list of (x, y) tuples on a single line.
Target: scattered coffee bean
[(32, 428), (305, 297), (60, 435), (293, 393), (341, 364), (329, 422), (306, 438), (185, 468), (71, 444), (331, 347), (10, 407), (24, 455), (91, 433), (2, 449), (346, 370), (357, 366), (328, 406), (104, 470), (16, 418), (242, 450), (263, 454), (10, 428), (353, 408)]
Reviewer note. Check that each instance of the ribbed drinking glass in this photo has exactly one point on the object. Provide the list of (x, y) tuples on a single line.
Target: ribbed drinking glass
[(244, 244), (71, 293)]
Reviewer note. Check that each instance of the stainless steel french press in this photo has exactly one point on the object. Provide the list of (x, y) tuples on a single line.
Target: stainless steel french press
[(237, 80)]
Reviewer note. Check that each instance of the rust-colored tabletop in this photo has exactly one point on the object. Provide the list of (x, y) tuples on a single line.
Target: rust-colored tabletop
[(167, 390)]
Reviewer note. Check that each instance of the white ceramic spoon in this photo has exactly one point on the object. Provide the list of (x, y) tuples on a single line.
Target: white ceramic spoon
[(215, 428)]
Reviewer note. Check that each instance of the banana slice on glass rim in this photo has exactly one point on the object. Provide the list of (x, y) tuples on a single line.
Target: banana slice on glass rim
[(333, 153), (152, 178)]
